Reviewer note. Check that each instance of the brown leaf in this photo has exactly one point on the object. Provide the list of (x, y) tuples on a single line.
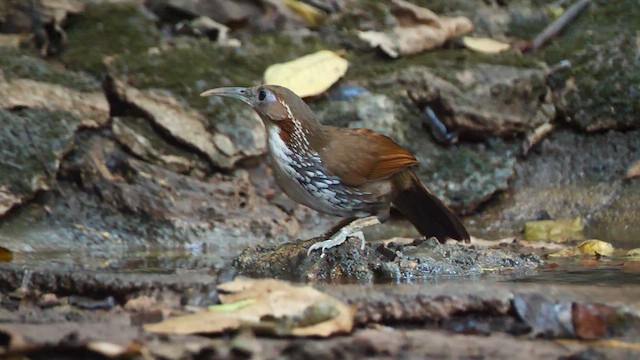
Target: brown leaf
[(418, 29), (633, 171), (590, 320), (293, 310), (5, 254)]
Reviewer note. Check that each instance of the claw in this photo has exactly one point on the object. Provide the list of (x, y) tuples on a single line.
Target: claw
[(352, 230)]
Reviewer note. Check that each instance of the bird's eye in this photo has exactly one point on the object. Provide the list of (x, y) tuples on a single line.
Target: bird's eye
[(262, 95)]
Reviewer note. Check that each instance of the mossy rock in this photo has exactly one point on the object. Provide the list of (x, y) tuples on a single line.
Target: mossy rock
[(106, 30), (33, 144), (21, 64), (599, 90)]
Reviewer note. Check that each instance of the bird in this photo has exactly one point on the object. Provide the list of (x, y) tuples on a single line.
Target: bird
[(353, 173)]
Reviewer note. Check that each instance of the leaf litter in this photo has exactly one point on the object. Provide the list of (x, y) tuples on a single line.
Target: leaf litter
[(266, 306)]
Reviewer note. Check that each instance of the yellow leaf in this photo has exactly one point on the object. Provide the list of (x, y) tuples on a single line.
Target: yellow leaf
[(311, 14), (634, 252), (555, 11), (593, 247), (557, 230), (484, 45), (309, 75), (564, 253), (301, 310)]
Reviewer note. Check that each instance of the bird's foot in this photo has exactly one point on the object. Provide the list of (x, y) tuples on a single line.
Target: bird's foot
[(337, 239), (354, 229)]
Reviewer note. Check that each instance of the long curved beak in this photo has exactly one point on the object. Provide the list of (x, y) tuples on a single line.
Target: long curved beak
[(239, 93)]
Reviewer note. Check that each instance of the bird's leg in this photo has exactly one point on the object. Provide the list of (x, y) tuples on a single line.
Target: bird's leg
[(354, 228)]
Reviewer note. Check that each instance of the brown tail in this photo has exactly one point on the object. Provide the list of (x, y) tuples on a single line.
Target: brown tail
[(426, 212)]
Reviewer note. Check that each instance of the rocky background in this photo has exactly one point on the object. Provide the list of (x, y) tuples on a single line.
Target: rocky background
[(106, 142)]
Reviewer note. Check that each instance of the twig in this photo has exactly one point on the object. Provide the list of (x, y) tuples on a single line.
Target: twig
[(559, 24)]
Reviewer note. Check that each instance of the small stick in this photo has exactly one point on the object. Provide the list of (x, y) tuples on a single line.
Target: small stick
[(557, 26)]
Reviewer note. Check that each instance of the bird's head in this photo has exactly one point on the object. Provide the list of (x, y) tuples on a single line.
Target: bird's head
[(271, 102)]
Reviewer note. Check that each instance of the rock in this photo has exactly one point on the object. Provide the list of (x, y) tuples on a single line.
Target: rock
[(422, 259), (205, 26), (90, 107), (17, 64), (185, 126), (488, 100), (371, 111), (573, 174), (105, 30), (33, 144), (221, 11), (138, 136), (600, 91)]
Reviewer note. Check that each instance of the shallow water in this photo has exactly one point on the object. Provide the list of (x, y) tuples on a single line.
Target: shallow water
[(614, 272)]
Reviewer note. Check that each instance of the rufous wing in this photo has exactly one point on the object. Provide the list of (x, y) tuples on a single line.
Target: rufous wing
[(358, 156)]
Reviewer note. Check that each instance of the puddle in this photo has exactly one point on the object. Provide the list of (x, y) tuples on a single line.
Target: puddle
[(569, 271)]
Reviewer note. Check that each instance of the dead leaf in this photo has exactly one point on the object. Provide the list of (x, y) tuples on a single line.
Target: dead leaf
[(556, 230), (634, 252), (418, 29), (484, 45), (311, 14), (309, 75), (595, 247), (568, 252), (5, 254), (293, 310), (590, 320), (615, 344), (633, 171)]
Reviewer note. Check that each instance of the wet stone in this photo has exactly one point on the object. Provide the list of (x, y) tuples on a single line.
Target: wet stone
[(33, 144), (418, 261)]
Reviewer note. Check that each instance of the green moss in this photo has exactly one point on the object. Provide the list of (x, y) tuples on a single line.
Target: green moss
[(105, 30), (444, 62), (605, 68), (598, 24), (526, 25), (21, 64), (33, 141), (194, 65), (360, 15)]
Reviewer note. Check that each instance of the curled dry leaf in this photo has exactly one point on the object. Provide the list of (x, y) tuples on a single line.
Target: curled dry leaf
[(418, 29), (595, 247), (484, 45), (311, 14), (634, 252), (557, 230), (309, 75), (633, 171), (5, 254), (291, 310)]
